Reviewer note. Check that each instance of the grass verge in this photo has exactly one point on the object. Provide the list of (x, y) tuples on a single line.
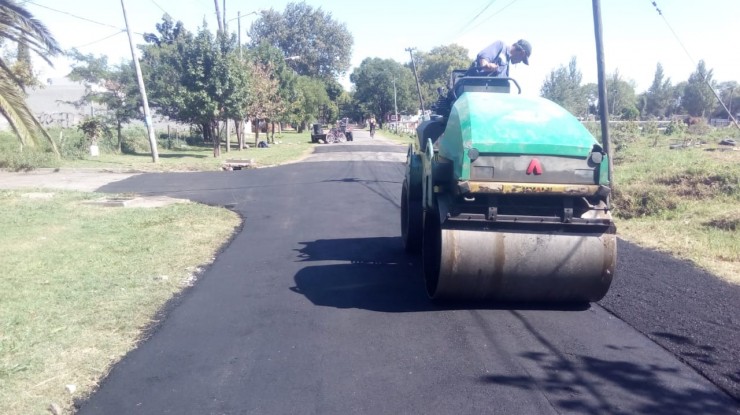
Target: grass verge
[(81, 282), (289, 145), (684, 201)]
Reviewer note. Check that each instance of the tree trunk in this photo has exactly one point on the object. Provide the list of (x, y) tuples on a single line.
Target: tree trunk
[(226, 132), (120, 136), (239, 135), (216, 139), (256, 131), (274, 125)]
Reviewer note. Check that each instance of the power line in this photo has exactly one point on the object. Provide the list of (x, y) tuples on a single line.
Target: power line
[(73, 15), (160, 8), (476, 16), (660, 12), (494, 14), (100, 40), (79, 17), (706, 82)]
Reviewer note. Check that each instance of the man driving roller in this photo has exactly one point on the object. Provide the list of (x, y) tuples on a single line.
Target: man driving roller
[(494, 60)]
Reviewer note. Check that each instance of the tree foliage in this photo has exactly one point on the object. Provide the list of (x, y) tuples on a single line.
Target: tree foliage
[(563, 86), (729, 92), (20, 27), (311, 101), (698, 99), (196, 79), (434, 68), (321, 45), (621, 98), (373, 81), (115, 87), (658, 97)]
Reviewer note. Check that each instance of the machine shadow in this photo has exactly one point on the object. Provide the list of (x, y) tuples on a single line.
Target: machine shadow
[(376, 274)]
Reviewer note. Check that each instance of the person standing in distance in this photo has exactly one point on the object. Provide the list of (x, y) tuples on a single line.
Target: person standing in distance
[(495, 59)]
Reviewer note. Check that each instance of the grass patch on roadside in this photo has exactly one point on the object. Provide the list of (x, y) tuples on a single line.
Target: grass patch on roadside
[(289, 146), (684, 201), (81, 282), (399, 138)]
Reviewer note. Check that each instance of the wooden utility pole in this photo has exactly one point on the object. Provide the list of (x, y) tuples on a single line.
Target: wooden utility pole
[(603, 107), (223, 16), (418, 88), (218, 17), (142, 89)]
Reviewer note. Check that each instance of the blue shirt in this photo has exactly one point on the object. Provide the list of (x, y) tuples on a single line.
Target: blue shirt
[(498, 53)]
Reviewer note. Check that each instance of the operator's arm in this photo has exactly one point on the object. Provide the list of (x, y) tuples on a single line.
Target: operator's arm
[(487, 56)]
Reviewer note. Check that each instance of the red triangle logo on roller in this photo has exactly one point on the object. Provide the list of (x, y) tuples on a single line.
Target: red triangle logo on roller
[(534, 167)]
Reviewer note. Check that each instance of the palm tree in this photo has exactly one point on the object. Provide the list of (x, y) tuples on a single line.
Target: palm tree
[(19, 26)]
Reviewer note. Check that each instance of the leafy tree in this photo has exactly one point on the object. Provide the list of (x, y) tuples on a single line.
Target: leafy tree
[(115, 87), (373, 81), (311, 101), (434, 68), (698, 99), (93, 128), (620, 95), (591, 93), (163, 69), (168, 32), (658, 96), (19, 26), (323, 46), (729, 92), (563, 86), (196, 79), (677, 98)]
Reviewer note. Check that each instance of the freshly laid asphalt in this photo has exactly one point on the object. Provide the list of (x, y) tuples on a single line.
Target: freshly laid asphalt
[(314, 308)]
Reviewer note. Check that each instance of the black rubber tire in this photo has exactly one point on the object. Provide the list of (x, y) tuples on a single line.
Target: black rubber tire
[(431, 251), (412, 221)]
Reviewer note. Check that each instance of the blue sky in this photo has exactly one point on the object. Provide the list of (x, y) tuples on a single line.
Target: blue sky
[(636, 37)]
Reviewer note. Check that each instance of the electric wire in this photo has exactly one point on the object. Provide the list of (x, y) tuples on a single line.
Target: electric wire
[(706, 82), (476, 16), (494, 14), (100, 40), (79, 17), (160, 8), (72, 15)]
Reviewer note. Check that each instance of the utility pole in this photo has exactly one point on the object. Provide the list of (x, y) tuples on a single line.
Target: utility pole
[(732, 90), (418, 88), (142, 89), (395, 103), (603, 105), (218, 17), (239, 31)]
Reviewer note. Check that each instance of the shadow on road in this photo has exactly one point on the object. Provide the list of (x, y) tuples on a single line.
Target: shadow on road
[(376, 274), (571, 393), (573, 383)]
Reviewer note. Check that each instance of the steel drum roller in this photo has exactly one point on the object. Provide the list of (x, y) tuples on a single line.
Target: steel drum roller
[(518, 266)]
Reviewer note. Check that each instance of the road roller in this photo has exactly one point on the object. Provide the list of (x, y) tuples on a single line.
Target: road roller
[(506, 197)]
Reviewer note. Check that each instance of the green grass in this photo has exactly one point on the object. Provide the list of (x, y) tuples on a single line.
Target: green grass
[(288, 146), (398, 138), (81, 282), (685, 201)]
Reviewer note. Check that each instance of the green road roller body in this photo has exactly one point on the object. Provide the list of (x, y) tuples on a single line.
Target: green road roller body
[(507, 198)]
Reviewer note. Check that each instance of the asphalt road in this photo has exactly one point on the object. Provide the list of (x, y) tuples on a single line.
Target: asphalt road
[(313, 308)]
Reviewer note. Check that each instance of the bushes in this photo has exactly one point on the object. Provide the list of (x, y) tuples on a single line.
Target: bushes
[(634, 201), (676, 127), (28, 159)]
